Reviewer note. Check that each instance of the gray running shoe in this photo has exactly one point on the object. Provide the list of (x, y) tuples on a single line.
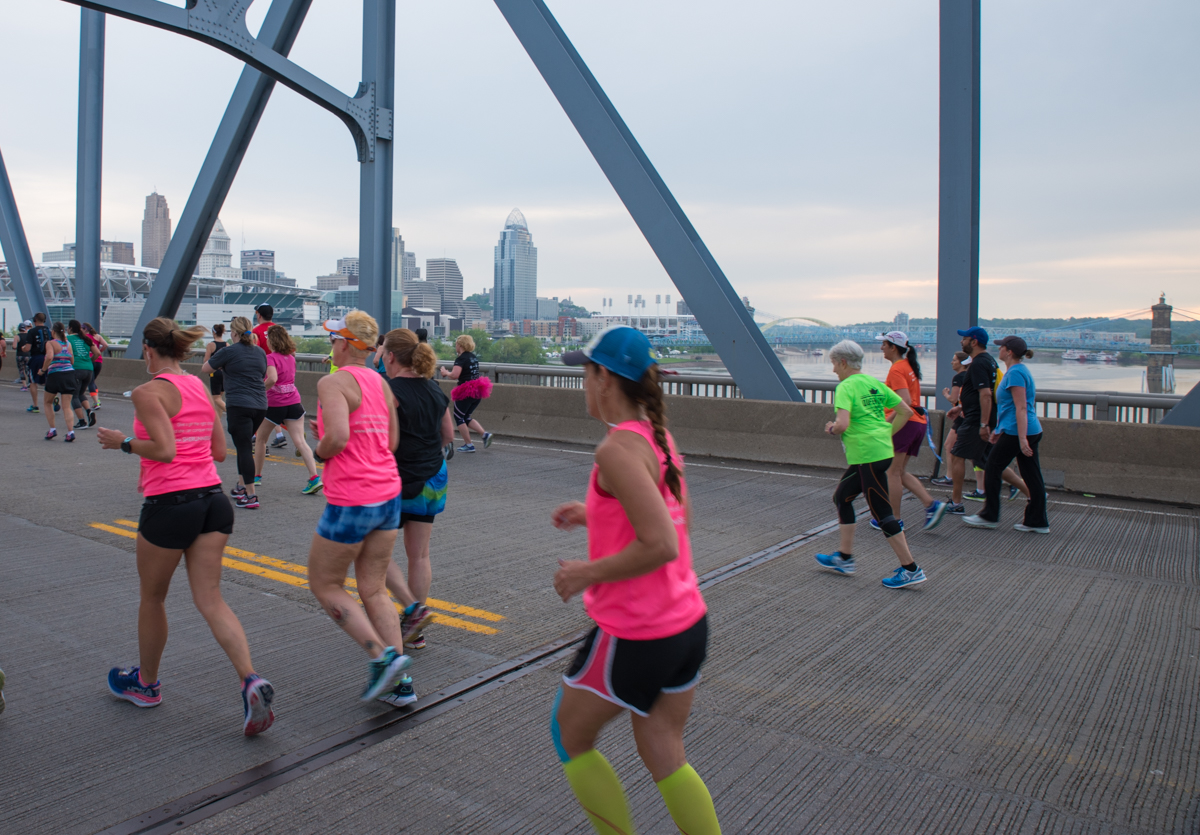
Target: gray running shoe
[(977, 521), (384, 673), (1027, 529)]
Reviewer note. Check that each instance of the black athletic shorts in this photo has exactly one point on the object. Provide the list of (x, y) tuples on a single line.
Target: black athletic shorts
[(60, 382), (631, 674), (216, 383), (35, 368), (278, 414), (464, 409), (174, 520), (969, 445)]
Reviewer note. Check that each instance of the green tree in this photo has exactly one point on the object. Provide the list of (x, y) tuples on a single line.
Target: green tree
[(481, 300)]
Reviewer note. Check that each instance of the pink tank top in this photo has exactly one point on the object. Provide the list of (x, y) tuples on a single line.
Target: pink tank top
[(193, 466), (662, 603), (363, 473)]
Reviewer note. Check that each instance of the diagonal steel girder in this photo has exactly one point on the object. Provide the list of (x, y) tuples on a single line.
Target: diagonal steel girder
[(22, 274), (712, 299), (245, 109), (1186, 412)]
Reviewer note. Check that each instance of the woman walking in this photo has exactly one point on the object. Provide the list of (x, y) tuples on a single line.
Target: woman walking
[(216, 379), (470, 391), (245, 366), (423, 412), (59, 371), (651, 634), (283, 406), (951, 394), (904, 378), (1017, 435), (860, 401), (178, 438), (83, 351)]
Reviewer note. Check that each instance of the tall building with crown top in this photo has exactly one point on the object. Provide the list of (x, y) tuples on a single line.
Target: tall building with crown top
[(514, 293), (156, 230)]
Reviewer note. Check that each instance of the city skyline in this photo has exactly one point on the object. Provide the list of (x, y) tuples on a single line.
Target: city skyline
[(828, 204)]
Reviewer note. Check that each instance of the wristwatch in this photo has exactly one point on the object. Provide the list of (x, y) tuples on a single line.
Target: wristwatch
[(125, 446)]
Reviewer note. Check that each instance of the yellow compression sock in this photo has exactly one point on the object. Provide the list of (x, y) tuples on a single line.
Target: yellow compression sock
[(599, 792), (689, 803)]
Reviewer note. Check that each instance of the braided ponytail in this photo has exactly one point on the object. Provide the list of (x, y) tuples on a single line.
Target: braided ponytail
[(647, 394)]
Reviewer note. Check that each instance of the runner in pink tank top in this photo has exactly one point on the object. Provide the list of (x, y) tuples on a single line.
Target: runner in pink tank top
[(357, 430), (651, 635), (178, 438)]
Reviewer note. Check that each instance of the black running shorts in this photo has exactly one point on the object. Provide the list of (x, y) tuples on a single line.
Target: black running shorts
[(174, 520), (970, 446), (278, 414), (631, 674), (60, 382)]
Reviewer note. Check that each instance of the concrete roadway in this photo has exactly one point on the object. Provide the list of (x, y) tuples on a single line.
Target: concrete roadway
[(1034, 684)]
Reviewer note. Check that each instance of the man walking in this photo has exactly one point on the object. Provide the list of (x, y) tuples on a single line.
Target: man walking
[(977, 407), (34, 344)]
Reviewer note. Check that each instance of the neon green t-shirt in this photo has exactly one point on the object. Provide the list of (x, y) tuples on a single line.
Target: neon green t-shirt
[(869, 437)]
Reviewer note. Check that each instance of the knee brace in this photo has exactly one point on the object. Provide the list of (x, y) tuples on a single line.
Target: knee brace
[(555, 730), (890, 526)]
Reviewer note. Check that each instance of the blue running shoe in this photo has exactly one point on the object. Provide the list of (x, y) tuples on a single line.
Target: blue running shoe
[(33, 409), (467, 448), (404, 694), (956, 509), (934, 514), (257, 695), (314, 485), (127, 685), (384, 673), (840, 564), (875, 525), (487, 439), (901, 578), (1013, 492)]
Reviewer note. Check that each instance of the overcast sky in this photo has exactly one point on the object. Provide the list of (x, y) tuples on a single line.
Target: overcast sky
[(799, 136)]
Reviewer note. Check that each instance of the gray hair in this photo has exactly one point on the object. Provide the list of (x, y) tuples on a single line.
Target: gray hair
[(848, 350)]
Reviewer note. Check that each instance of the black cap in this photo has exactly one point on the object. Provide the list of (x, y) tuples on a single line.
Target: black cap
[(1016, 344), (266, 311), (422, 335)]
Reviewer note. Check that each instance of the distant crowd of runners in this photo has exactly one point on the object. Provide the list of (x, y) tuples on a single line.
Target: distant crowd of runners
[(384, 432)]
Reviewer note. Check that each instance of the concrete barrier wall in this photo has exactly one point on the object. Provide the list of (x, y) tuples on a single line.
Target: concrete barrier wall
[(1101, 457)]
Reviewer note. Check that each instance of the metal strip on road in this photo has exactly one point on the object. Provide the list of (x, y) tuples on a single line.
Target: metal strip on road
[(255, 782)]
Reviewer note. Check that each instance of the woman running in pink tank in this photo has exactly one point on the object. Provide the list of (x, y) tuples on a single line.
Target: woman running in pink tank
[(357, 430), (651, 634), (178, 438)]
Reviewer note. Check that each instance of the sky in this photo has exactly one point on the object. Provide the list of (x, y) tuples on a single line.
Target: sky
[(800, 137)]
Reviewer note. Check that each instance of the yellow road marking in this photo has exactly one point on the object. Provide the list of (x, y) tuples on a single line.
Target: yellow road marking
[(302, 570)]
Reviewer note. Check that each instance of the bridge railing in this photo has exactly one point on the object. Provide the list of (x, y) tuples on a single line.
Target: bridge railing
[(1054, 403)]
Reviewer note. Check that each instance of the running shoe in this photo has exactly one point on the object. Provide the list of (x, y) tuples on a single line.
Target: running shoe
[(257, 480), (279, 442), (33, 409), (247, 502), (384, 673), (24, 388), (467, 448), (1026, 529), (57, 407), (1013, 492), (487, 439), (2, 691), (416, 643), (313, 486), (934, 514), (238, 491), (127, 685), (875, 525), (91, 417), (404, 694), (448, 451), (96, 400), (901, 578), (414, 620), (51, 434), (81, 424), (257, 695), (978, 521), (70, 437), (955, 509), (840, 564), (297, 453), (942, 481), (975, 495)]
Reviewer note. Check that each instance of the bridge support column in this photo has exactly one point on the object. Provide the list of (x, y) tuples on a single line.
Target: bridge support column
[(22, 274), (89, 155), (375, 175), (958, 182)]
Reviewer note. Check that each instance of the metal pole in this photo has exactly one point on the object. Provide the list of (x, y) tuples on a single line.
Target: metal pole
[(88, 163), (679, 248), (279, 30), (958, 186), (375, 174), (22, 274), (1186, 412)]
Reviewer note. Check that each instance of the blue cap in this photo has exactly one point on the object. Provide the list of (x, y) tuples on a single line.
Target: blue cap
[(977, 333), (621, 349)]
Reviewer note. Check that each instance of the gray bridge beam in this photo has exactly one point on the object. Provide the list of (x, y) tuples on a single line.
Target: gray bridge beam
[(375, 175), (958, 183), (89, 154), (1186, 412), (22, 274), (220, 167), (716, 305)]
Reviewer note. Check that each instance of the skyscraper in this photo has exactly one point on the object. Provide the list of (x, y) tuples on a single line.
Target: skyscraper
[(410, 271), (217, 259), (444, 274), (156, 230), (349, 267), (258, 265), (514, 295), (397, 272)]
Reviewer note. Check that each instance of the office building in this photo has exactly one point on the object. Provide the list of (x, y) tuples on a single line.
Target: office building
[(547, 308), (349, 268), (332, 281), (156, 230), (514, 294), (258, 266), (111, 252), (444, 274), (423, 294), (216, 261), (682, 309), (399, 261), (411, 271)]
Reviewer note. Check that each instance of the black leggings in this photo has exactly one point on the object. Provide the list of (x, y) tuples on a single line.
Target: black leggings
[(83, 382), (871, 482), (1006, 448), (243, 423)]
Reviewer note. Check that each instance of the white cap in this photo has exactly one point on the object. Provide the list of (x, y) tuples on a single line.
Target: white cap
[(897, 338)]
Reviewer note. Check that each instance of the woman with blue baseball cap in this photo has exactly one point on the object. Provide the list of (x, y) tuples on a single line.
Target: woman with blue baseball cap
[(651, 634)]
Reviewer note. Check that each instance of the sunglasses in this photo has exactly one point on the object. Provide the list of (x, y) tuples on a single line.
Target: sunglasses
[(333, 337)]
